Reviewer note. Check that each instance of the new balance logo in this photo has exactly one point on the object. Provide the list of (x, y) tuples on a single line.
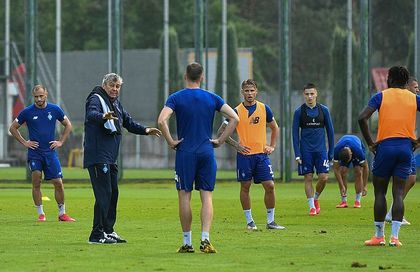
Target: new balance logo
[(254, 120)]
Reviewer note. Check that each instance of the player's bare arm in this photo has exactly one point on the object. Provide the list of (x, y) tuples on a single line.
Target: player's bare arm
[(365, 175), (233, 118), (67, 129), (339, 177), (163, 118), (363, 123), (268, 149), (14, 130), (232, 142)]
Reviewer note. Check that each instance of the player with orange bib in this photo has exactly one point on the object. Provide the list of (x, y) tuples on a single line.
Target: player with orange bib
[(397, 109)]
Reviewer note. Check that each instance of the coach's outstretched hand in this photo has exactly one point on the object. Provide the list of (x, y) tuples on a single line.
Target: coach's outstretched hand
[(153, 131)]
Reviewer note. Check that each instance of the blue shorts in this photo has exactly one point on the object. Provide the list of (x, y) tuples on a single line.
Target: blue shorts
[(47, 163), (319, 160), (413, 165), (257, 166), (198, 167), (393, 158)]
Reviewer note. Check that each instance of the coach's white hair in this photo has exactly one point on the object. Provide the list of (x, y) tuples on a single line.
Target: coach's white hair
[(111, 77)]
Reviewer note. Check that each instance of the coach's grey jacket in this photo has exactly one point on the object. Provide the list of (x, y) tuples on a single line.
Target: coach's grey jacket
[(100, 144)]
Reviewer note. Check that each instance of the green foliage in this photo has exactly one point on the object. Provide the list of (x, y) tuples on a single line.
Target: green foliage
[(338, 82), (312, 25), (148, 219), (175, 75), (410, 57), (233, 84)]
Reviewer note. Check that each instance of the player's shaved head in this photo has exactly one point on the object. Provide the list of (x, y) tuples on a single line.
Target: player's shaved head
[(39, 87)]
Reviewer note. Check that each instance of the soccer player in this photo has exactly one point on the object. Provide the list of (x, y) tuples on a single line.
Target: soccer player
[(104, 119), (310, 121), (252, 158), (194, 109), (397, 109), (413, 87), (40, 119), (349, 150)]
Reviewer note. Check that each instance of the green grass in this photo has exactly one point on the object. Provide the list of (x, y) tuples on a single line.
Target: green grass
[(148, 219), (19, 173)]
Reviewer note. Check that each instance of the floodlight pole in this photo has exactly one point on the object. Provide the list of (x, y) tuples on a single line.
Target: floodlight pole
[(5, 111), (224, 50), (58, 51), (206, 45), (416, 39), (198, 37), (166, 64), (30, 54), (364, 49), (349, 65), (116, 55), (285, 83), (417, 45)]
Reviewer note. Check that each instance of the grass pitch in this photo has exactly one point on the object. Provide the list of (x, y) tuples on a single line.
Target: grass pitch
[(148, 219)]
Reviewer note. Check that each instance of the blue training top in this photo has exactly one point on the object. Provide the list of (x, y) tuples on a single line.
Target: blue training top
[(41, 125), (355, 145), (312, 139), (194, 110)]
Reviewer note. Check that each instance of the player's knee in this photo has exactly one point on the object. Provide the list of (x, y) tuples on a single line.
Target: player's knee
[(323, 178), (58, 183), (269, 186)]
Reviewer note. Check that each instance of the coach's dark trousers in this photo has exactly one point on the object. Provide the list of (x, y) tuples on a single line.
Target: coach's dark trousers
[(104, 179)]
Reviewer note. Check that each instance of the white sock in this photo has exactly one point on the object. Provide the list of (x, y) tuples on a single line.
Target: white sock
[(395, 228), (205, 235), (61, 209), (344, 198), (359, 197), (187, 238), (248, 216), (379, 229), (311, 203), (270, 215), (316, 196), (40, 209)]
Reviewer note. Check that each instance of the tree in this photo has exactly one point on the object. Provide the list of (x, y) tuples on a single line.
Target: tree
[(233, 89), (338, 81), (175, 78), (410, 57)]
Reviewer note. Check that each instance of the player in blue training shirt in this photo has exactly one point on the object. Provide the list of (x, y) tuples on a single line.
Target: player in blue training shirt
[(40, 118), (310, 121), (349, 150), (195, 161)]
